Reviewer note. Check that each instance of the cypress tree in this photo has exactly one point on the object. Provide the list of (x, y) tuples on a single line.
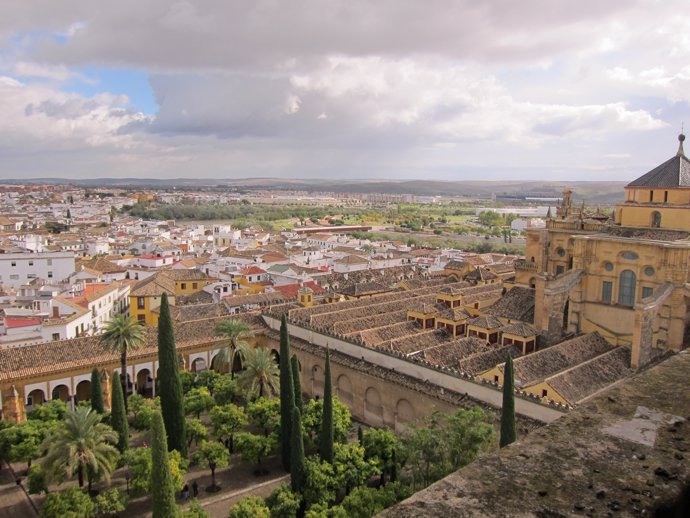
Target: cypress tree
[(118, 414), (170, 386), (162, 488), (326, 439), (508, 428), (287, 394), (294, 363), (296, 452), (96, 392)]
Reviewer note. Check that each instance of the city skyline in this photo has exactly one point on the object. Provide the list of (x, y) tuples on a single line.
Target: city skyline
[(342, 90)]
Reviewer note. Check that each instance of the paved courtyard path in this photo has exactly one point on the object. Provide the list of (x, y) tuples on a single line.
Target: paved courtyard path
[(13, 501)]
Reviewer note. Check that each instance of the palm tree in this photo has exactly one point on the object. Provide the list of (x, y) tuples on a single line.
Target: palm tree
[(261, 376), (123, 335), (81, 445), (237, 331)]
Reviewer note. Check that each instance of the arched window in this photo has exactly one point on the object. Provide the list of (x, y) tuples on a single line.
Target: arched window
[(626, 288), (656, 219)]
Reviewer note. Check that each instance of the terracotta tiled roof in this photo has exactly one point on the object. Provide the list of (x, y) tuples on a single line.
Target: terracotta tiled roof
[(367, 288), (101, 265), (190, 274), (289, 291), (418, 342), (15, 322), (537, 366), (480, 274), (589, 377), (485, 322), (196, 311), (454, 314), (254, 299), (252, 270), (154, 286), (484, 361), (515, 304), (456, 265), (389, 332), (520, 329), (94, 292), (449, 354), (85, 353)]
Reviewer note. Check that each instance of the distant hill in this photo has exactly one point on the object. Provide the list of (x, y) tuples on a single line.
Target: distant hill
[(592, 192)]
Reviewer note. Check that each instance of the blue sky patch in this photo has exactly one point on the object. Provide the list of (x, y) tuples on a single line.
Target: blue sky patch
[(133, 83)]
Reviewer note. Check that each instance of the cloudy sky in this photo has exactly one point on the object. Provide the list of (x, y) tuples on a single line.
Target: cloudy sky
[(342, 89)]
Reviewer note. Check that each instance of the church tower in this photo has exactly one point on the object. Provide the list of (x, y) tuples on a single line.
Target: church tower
[(660, 198)]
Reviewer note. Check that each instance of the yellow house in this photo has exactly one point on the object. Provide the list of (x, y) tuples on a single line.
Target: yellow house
[(450, 296), (145, 296), (485, 327), (521, 335), (453, 320), (425, 316), (188, 281)]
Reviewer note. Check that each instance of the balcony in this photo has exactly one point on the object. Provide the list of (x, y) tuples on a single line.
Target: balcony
[(575, 225), (526, 266)]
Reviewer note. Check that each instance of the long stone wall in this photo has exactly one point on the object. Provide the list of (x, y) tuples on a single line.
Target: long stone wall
[(377, 396), (441, 380)]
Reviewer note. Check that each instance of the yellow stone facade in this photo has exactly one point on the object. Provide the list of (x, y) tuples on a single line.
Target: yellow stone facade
[(610, 276)]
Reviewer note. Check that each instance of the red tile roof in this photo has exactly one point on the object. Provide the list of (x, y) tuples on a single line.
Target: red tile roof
[(290, 290), (14, 322), (252, 270)]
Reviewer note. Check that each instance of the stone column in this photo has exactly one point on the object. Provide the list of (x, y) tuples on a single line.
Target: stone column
[(642, 339), (105, 389), (13, 409), (541, 314)]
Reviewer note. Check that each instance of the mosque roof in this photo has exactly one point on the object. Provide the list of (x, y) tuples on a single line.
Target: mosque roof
[(675, 172)]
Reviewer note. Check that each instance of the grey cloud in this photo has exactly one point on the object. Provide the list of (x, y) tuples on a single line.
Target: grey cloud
[(264, 33), (249, 87)]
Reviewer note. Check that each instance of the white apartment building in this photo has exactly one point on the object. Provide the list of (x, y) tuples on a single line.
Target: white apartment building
[(22, 268)]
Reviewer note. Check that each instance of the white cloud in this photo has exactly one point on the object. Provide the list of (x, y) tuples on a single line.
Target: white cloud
[(54, 72), (37, 113), (258, 86)]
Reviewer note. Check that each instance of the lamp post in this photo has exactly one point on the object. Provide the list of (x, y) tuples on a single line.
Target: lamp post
[(127, 477)]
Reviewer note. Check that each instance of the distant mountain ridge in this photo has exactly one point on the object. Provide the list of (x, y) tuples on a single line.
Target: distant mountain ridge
[(591, 191)]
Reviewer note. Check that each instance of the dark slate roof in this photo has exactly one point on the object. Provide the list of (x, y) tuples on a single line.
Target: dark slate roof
[(675, 172)]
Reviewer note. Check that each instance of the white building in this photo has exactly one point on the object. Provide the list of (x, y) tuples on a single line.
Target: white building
[(22, 268)]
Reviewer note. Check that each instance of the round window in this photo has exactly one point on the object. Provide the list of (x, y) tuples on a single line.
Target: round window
[(560, 252), (649, 271), (608, 267)]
